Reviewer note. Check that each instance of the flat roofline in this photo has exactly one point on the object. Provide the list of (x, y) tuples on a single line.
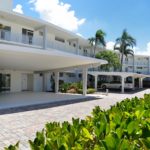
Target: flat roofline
[(124, 74), (44, 23)]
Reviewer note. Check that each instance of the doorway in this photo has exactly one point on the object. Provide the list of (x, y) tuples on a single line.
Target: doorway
[(24, 82)]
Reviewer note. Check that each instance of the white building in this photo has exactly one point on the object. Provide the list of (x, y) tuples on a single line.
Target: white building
[(137, 64), (33, 52)]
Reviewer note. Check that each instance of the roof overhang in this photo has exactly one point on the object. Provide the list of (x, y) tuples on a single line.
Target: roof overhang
[(39, 24), (32, 59), (121, 74)]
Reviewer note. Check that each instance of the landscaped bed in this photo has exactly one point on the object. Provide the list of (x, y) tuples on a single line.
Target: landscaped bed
[(125, 126)]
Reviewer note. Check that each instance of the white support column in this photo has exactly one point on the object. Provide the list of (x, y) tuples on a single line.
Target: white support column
[(84, 77), (77, 46), (133, 82), (96, 82), (141, 82), (45, 37), (56, 82), (122, 84)]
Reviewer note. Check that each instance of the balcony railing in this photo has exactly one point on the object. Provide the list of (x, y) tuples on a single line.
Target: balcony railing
[(28, 40), (5, 35)]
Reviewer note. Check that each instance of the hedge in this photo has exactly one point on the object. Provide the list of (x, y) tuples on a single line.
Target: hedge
[(125, 126)]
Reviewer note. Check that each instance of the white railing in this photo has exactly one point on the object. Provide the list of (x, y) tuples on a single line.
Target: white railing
[(37, 42), (23, 39), (5, 35)]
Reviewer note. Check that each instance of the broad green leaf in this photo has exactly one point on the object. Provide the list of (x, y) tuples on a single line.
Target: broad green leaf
[(86, 134)]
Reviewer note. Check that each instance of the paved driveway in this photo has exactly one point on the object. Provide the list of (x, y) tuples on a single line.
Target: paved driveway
[(23, 125)]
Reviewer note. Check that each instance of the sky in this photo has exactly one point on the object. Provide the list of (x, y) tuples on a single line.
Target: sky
[(85, 17)]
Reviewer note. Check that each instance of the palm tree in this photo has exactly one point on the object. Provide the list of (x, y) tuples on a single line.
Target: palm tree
[(99, 39), (124, 45)]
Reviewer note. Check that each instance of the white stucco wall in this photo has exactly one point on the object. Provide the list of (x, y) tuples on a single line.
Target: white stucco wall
[(15, 81)]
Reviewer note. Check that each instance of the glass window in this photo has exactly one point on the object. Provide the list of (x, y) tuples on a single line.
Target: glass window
[(60, 39), (5, 82)]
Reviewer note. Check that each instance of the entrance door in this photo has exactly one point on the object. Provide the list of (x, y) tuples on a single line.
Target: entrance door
[(24, 82)]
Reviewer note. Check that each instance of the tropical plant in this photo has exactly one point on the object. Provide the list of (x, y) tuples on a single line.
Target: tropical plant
[(124, 45), (112, 59), (98, 40), (89, 91), (13, 147), (125, 126)]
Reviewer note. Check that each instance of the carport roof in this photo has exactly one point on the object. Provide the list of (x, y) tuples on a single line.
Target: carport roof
[(122, 74), (33, 59)]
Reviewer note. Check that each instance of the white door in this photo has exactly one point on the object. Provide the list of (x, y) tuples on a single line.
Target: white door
[(38, 82), (24, 82)]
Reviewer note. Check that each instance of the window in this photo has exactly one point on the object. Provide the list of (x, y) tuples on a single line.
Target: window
[(71, 75), (5, 82), (5, 32), (41, 74), (130, 67), (60, 39), (40, 33), (85, 52), (139, 67), (74, 45), (61, 74), (80, 75), (27, 36)]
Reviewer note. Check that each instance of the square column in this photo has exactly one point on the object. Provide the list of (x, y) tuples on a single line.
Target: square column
[(96, 82), (122, 84), (133, 83), (56, 82), (140, 82), (45, 37), (84, 77)]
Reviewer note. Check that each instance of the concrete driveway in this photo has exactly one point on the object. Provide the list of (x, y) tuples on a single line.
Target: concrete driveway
[(13, 100), (23, 125)]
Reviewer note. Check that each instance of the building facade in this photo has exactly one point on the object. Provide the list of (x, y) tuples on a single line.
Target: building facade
[(137, 64), (34, 54)]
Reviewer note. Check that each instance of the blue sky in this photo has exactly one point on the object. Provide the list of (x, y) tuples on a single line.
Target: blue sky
[(110, 15)]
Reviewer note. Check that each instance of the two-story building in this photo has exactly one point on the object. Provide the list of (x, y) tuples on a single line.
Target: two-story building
[(34, 52), (138, 64)]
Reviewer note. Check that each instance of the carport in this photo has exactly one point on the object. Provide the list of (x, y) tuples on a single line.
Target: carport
[(34, 60), (123, 76)]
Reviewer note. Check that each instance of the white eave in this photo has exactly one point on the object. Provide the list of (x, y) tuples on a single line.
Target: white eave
[(121, 74), (38, 23), (33, 59)]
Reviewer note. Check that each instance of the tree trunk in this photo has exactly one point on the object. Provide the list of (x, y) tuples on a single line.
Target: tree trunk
[(121, 62), (94, 50)]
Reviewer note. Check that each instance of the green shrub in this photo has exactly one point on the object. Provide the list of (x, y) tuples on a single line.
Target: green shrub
[(80, 91), (13, 147), (125, 126), (89, 91), (67, 87), (64, 87)]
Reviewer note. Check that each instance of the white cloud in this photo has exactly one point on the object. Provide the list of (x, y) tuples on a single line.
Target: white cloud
[(18, 9), (58, 13), (110, 45), (140, 52)]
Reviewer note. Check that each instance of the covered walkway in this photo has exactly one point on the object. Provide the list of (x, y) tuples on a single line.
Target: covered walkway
[(34, 60), (123, 76)]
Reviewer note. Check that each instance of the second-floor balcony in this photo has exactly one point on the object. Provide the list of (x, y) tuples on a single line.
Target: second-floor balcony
[(37, 42), (7, 36)]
